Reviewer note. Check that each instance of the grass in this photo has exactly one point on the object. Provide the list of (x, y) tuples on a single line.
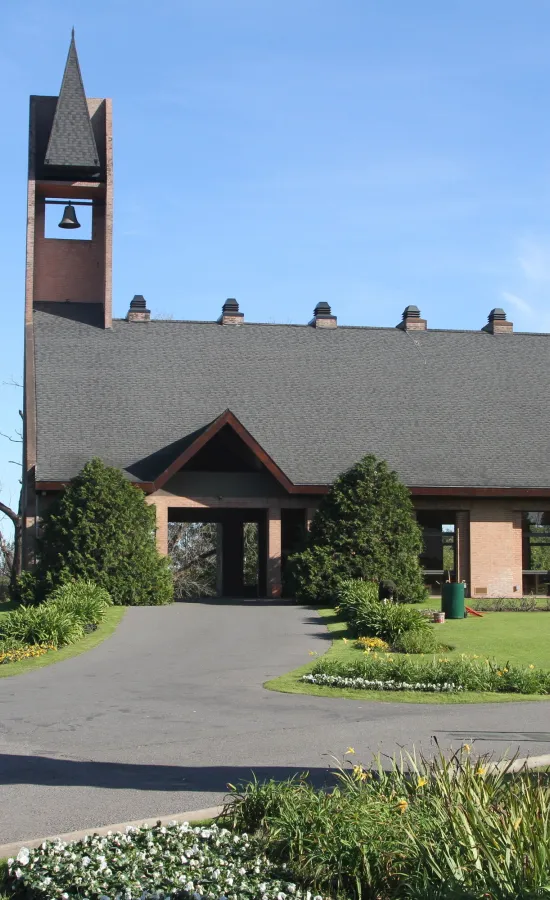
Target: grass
[(507, 637), (113, 617)]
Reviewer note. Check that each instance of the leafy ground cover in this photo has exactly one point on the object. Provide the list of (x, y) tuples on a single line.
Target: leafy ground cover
[(522, 641), (157, 862), (112, 618)]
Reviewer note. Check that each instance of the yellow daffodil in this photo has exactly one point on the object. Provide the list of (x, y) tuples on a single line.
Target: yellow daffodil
[(466, 748), (402, 805), (359, 773), (480, 770), (421, 782), (350, 750), (531, 666)]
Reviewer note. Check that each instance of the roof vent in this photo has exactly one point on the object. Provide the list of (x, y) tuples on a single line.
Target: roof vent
[(411, 320), (138, 311), (322, 316), (230, 313), (497, 322)]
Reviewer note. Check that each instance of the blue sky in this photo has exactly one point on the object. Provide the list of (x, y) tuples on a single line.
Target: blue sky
[(371, 154)]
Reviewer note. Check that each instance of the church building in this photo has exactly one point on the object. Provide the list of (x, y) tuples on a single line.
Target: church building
[(231, 421)]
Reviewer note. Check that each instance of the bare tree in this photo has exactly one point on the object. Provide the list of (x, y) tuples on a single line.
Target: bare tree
[(11, 551), (11, 556), (192, 547)]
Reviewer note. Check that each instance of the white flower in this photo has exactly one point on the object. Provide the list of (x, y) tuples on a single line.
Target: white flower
[(18, 873), (85, 861), (23, 856)]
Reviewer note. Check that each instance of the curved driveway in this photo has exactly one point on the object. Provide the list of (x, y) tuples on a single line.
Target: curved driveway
[(158, 718)]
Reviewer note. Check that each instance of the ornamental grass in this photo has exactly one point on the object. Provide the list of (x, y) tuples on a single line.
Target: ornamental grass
[(442, 829), (469, 673)]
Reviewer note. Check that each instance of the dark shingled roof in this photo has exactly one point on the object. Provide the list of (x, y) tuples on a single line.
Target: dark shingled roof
[(444, 408), (72, 143)]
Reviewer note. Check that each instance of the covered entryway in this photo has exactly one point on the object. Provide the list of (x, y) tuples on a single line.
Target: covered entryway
[(223, 478), (238, 574)]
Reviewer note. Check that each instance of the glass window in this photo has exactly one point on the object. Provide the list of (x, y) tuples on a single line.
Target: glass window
[(438, 557), (536, 553)]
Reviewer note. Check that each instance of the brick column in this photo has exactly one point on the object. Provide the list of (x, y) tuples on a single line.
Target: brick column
[(274, 544), (162, 527), (462, 548), (495, 550)]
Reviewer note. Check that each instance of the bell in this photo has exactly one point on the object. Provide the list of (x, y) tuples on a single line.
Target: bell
[(69, 219)]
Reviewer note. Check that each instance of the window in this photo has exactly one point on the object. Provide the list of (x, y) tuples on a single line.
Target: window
[(536, 553), (438, 557)]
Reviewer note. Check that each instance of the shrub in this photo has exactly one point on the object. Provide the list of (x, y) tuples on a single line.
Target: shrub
[(101, 528), (505, 604), (85, 601), (389, 621), (364, 528), (416, 642), (45, 624), (354, 596)]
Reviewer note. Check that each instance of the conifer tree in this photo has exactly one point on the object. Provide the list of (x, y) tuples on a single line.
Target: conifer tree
[(364, 528), (101, 528)]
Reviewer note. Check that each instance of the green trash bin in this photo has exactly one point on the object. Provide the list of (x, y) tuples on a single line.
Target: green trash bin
[(452, 600)]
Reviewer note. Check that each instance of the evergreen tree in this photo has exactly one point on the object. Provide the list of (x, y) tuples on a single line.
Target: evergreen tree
[(101, 528), (364, 528)]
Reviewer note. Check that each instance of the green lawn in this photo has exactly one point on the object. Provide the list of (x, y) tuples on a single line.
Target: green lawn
[(113, 617), (522, 638)]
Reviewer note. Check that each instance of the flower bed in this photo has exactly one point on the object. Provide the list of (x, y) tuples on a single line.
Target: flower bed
[(26, 651), (362, 684), (154, 862), (469, 673)]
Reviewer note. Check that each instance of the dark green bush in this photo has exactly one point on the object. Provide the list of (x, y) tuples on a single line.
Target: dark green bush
[(424, 641), (364, 528), (101, 529)]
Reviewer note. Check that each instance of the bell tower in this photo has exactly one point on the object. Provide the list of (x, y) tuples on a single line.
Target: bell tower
[(70, 168), (70, 174)]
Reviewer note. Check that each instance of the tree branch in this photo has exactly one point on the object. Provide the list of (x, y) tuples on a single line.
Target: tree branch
[(9, 513), (12, 439)]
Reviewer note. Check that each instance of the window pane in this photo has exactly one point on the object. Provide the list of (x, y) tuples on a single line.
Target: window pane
[(536, 545)]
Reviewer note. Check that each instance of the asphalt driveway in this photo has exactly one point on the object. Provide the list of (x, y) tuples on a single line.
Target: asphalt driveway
[(161, 716)]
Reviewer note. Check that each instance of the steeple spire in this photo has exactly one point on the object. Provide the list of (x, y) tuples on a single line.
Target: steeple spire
[(72, 144)]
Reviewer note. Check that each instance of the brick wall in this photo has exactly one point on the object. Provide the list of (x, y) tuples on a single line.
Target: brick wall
[(67, 269), (495, 550)]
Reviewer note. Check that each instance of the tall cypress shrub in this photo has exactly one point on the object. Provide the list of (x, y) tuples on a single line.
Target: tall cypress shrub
[(100, 528), (364, 528)]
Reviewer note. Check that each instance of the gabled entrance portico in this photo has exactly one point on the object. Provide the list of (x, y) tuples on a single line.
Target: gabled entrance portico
[(225, 477)]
